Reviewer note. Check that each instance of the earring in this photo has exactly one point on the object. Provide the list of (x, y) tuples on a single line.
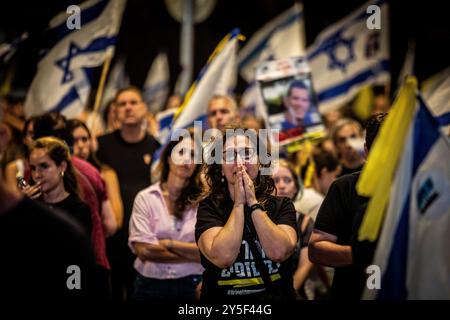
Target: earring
[(62, 174), (222, 179)]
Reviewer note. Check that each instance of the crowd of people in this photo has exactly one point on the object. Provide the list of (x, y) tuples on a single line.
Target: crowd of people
[(180, 230)]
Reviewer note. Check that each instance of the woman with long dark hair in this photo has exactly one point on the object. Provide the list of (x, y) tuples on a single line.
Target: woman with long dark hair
[(54, 177), (162, 228), (84, 149), (245, 234)]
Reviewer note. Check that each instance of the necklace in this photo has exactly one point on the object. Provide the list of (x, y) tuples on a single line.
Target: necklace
[(166, 193)]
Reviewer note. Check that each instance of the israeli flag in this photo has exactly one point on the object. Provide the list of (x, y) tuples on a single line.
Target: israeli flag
[(164, 120), (62, 82), (117, 79), (215, 76), (156, 85), (283, 37), (349, 54), (252, 102), (436, 92), (412, 251)]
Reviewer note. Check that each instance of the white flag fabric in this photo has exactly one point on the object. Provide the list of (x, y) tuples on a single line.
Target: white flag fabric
[(283, 37), (62, 81), (156, 85), (436, 92), (348, 55), (117, 79), (252, 102), (412, 252), (214, 76), (164, 120)]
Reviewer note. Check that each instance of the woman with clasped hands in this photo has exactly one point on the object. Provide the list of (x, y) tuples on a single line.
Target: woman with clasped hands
[(238, 209)]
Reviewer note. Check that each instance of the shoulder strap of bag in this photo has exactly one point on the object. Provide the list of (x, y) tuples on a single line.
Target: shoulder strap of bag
[(257, 255)]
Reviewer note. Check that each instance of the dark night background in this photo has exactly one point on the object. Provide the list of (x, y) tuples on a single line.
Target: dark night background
[(148, 27)]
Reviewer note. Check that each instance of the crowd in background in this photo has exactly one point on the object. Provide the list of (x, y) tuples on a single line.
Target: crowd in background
[(141, 220)]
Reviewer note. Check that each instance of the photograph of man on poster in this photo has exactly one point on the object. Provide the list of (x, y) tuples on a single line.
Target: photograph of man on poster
[(299, 108), (290, 102)]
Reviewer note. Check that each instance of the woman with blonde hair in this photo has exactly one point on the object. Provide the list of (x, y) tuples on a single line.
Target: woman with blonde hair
[(287, 184)]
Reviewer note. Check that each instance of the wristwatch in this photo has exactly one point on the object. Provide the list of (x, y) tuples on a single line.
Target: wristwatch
[(257, 206)]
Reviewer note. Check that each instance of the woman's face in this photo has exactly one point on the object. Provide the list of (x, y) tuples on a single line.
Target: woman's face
[(239, 150), (45, 171), (284, 182), (81, 143), (181, 160)]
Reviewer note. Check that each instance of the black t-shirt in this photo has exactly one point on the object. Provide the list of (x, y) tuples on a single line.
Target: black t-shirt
[(132, 163), (77, 209), (304, 233), (337, 216), (37, 246), (242, 278), (346, 170), (303, 236)]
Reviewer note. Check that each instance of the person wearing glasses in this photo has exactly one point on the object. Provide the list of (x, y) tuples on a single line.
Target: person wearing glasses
[(246, 235), (128, 151)]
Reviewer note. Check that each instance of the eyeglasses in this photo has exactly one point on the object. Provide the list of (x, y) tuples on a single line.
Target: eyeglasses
[(246, 154)]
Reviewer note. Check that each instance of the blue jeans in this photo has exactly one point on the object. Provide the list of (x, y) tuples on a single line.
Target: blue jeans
[(165, 290)]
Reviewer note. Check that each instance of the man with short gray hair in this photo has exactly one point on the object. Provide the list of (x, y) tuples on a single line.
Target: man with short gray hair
[(222, 111)]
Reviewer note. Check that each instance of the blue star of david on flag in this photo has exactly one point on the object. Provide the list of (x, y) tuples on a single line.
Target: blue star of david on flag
[(64, 63), (331, 47)]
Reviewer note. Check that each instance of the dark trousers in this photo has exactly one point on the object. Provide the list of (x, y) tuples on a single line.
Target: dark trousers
[(121, 260), (150, 289)]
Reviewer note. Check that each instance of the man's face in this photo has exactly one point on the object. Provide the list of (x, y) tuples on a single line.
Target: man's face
[(220, 113), (298, 102), (130, 108), (343, 146)]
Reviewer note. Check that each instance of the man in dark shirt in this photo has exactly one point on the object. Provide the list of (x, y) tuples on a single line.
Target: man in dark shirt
[(336, 228), (342, 133), (129, 151)]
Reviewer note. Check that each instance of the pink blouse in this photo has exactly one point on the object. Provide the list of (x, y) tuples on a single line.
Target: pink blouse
[(151, 221)]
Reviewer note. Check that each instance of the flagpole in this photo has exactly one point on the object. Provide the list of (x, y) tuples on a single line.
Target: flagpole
[(101, 87)]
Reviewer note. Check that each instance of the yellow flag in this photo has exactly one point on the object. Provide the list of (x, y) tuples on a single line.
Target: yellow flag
[(363, 104), (378, 173), (7, 83)]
